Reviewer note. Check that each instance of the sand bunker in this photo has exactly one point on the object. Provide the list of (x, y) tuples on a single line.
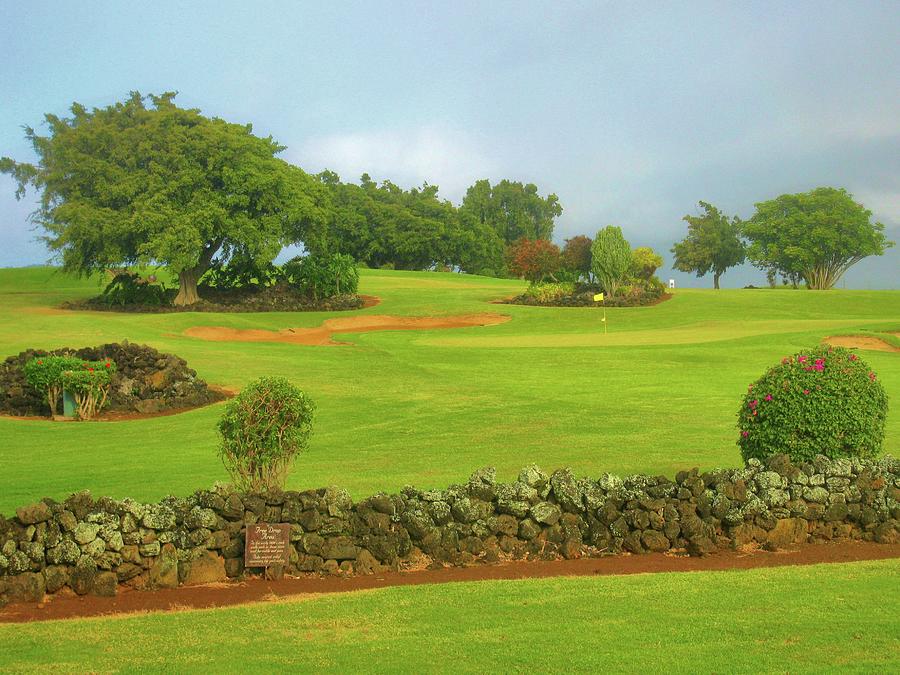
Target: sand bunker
[(356, 324), (861, 342)]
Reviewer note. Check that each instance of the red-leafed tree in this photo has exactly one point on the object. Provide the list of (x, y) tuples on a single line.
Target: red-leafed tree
[(576, 255), (533, 259)]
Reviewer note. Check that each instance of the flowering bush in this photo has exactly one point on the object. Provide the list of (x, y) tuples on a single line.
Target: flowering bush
[(825, 401), (263, 429), (89, 385), (44, 373)]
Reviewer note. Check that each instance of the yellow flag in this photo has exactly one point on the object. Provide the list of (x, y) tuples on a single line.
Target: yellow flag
[(598, 297)]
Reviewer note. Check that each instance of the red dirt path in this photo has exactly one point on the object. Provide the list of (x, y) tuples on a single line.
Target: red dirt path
[(68, 605)]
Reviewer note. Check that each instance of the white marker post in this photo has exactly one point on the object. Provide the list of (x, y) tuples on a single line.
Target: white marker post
[(598, 297)]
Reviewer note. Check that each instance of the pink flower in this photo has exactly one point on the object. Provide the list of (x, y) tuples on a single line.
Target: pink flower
[(806, 391), (853, 357), (745, 434), (753, 404), (755, 413), (801, 359), (872, 376), (768, 397)]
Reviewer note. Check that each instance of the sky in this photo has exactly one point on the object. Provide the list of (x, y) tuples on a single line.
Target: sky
[(630, 112)]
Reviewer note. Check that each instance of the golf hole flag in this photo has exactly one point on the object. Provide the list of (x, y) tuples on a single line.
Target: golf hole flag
[(598, 297)]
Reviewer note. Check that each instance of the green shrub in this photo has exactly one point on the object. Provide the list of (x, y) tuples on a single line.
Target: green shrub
[(44, 373), (545, 292), (263, 429), (242, 273), (822, 401), (89, 385), (128, 288), (610, 259), (323, 276)]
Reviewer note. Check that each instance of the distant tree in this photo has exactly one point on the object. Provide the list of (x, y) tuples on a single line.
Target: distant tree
[(644, 263), (533, 259), (134, 183), (713, 244), (385, 225), (610, 259), (513, 210), (816, 236), (576, 255)]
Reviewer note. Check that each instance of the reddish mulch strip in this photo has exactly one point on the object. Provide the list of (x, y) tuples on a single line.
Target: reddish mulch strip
[(68, 605)]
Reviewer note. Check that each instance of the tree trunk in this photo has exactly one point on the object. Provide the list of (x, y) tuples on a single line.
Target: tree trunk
[(187, 287), (716, 276)]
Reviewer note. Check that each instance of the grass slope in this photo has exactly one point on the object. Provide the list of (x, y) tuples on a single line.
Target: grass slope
[(789, 619), (657, 394)]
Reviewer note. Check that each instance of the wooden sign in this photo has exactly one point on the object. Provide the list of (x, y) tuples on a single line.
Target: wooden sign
[(267, 544)]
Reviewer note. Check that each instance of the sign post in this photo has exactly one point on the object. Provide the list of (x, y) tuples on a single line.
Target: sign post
[(598, 297), (267, 544)]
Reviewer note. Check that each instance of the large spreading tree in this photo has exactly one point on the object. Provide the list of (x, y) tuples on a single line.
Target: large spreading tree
[(146, 182), (816, 235), (713, 244)]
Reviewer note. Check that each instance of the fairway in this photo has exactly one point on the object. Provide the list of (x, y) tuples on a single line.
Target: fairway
[(657, 394), (789, 619)]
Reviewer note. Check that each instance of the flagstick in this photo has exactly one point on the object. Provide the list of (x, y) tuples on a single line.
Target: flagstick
[(604, 320)]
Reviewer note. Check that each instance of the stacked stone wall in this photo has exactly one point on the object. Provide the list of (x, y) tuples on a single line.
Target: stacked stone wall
[(95, 545)]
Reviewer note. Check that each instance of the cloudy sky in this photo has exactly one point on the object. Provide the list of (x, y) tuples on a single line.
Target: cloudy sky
[(630, 112)]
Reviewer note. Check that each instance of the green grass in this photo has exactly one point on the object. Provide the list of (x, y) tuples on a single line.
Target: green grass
[(658, 393), (790, 619)]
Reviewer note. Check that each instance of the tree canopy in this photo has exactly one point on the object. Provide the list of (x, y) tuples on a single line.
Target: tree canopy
[(533, 259), (816, 235), (383, 224), (576, 255), (513, 210), (713, 244), (144, 181)]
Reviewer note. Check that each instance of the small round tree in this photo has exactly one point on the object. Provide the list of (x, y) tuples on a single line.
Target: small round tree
[(824, 401), (263, 429)]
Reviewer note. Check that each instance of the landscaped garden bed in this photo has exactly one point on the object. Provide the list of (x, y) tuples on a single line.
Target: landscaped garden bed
[(143, 381)]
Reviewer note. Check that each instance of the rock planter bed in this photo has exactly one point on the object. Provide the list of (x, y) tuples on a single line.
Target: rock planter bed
[(278, 298), (94, 546), (146, 381), (585, 298)]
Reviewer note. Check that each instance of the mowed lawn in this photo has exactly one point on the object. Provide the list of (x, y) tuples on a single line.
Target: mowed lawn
[(791, 619), (658, 393)]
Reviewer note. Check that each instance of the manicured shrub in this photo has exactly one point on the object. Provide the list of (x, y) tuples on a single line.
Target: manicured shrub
[(823, 401), (242, 273), (128, 288), (323, 276), (89, 385), (44, 373), (545, 292), (263, 429)]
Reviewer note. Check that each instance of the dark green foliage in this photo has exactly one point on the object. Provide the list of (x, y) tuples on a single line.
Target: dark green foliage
[(263, 429), (816, 236), (384, 226), (144, 181), (610, 259), (322, 276), (128, 288), (823, 401), (513, 210), (713, 244), (242, 273)]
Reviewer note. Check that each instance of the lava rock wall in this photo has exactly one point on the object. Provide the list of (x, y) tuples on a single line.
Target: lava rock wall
[(93, 546)]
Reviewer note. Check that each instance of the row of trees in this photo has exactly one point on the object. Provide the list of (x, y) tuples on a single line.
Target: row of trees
[(146, 182), (814, 236)]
